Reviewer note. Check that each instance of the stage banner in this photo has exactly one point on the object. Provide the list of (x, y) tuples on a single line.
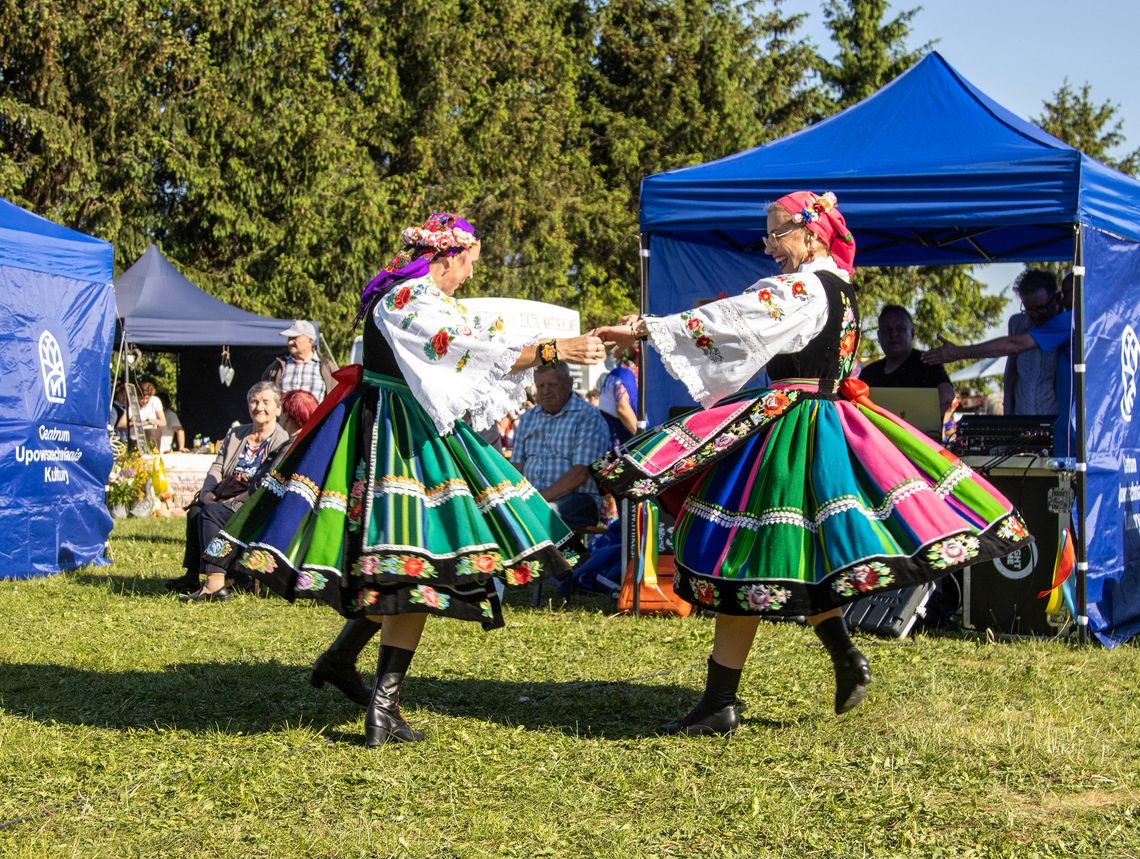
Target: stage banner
[(55, 456), (684, 272), (1112, 415)]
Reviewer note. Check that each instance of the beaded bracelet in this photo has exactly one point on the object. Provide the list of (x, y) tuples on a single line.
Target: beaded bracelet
[(548, 352)]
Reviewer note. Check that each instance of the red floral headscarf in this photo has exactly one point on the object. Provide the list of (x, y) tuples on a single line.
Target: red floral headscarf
[(819, 214)]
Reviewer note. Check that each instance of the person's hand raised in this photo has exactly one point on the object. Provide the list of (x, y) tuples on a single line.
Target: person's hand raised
[(943, 353)]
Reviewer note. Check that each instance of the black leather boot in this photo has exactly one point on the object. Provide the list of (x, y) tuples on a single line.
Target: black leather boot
[(337, 665), (852, 671), (717, 712), (383, 722)]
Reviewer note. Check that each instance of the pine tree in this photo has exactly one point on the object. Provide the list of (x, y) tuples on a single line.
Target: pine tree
[(1095, 129)]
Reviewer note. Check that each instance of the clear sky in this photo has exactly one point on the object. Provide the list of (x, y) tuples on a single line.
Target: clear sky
[(1020, 52)]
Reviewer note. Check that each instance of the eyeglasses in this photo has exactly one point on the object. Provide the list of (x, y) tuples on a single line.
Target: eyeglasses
[(772, 238)]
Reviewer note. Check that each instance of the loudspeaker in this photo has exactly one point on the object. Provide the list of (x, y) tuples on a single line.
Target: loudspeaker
[(1002, 594), (891, 613)]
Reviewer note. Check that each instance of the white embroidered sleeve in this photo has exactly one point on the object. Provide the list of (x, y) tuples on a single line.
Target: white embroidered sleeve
[(455, 366), (715, 349)]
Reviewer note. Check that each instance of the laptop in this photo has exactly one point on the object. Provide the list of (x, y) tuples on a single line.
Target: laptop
[(919, 407)]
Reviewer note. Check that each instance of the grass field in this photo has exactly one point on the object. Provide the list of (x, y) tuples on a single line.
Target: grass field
[(134, 725)]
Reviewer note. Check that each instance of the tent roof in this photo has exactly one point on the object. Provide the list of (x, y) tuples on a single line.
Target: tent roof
[(30, 242), (160, 307), (927, 170)]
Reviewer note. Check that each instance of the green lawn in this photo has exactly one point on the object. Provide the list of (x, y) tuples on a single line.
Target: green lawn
[(134, 725)]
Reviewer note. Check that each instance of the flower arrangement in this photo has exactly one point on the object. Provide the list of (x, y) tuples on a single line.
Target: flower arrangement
[(819, 206), (126, 485), (437, 235)]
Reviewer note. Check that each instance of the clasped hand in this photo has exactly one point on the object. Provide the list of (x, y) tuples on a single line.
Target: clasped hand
[(623, 335)]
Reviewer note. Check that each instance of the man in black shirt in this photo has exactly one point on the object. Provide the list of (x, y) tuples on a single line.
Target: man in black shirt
[(901, 365)]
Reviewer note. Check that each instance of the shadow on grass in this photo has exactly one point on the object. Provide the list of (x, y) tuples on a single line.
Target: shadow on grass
[(138, 586), (146, 539), (250, 698)]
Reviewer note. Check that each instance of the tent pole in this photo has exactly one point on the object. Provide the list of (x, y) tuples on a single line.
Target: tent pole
[(628, 544), (1082, 443)]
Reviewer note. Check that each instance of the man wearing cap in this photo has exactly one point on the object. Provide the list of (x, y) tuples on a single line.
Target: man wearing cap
[(302, 369)]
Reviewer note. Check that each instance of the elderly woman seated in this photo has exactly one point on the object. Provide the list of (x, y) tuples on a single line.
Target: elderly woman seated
[(244, 451)]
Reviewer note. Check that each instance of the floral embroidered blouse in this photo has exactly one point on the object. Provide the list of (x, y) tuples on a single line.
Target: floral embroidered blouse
[(456, 363), (715, 349)]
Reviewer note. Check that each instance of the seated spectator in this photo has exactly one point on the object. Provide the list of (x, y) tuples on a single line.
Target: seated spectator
[(173, 434), (118, 416), (242, 453), (302, 368), (151, 413), (555, 444), (901, 365)]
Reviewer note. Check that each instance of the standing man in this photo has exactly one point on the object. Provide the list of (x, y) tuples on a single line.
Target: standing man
[(902, 365), (556, 441), (1050, 330), (1030, 376), (303, 369)]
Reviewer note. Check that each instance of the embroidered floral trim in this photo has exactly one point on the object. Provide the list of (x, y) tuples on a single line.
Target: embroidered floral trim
[(952, 478), (305, 487), (848, 338), (429, 596), (333, 501), (696, 329), (953, 552), (705, 593), (484, 564), (219, 548), (774, 308), (486, 610), (763, 597), (1013, 528), (259, 560), (863, 578), (523, 573), (308, 580)]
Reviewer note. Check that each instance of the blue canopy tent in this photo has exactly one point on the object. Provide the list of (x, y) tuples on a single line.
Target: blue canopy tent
[(929, 170), (56, 327), (161, 310)]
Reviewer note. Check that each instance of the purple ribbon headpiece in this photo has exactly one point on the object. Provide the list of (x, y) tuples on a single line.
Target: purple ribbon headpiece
[(442, 233)]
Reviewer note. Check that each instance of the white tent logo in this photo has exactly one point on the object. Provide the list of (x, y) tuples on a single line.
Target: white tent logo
[(52, 369), (1129, 360)]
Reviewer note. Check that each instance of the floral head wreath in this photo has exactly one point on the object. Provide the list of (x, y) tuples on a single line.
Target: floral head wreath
[(820, 214), (441, 233)]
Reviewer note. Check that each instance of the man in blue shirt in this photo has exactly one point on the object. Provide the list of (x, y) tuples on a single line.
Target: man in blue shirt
[(556, 441), (1050, 330)]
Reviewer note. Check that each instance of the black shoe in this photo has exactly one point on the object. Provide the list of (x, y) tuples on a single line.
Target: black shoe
[(220, 595), (852, 671), (701, 721), (344, 677), (337, 665), (384, 723), (852, 676), (186, 584)]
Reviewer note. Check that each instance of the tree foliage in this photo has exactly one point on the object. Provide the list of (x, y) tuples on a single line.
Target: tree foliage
[(1073, 116), (274, 149)]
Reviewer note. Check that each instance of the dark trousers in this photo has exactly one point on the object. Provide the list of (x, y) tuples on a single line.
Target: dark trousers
[(210, 523), (577, 510)]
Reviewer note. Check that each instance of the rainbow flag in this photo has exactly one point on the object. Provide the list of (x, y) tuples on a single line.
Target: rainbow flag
[(1062, 569)]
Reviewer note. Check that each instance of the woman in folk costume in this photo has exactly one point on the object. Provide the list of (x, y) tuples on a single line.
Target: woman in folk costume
[(802, 496), (390, 506)]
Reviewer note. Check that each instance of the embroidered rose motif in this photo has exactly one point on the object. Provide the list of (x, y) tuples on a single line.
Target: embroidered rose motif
[(485, 563), (413, 566), (367, 598), (694, 324), (368, 565), (774, 403), (724, 441), (401, 298), (259, 561), (705, 592), (219, 548), (765, 295), (644, 486), (519, 575), (863, 578), (763, 598), (953, 552), (701, 340), (440, 342), (429, 596), (799, 290), (683, 465)]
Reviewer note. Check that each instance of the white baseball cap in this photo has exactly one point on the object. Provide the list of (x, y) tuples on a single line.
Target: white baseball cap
[(301, 328)]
